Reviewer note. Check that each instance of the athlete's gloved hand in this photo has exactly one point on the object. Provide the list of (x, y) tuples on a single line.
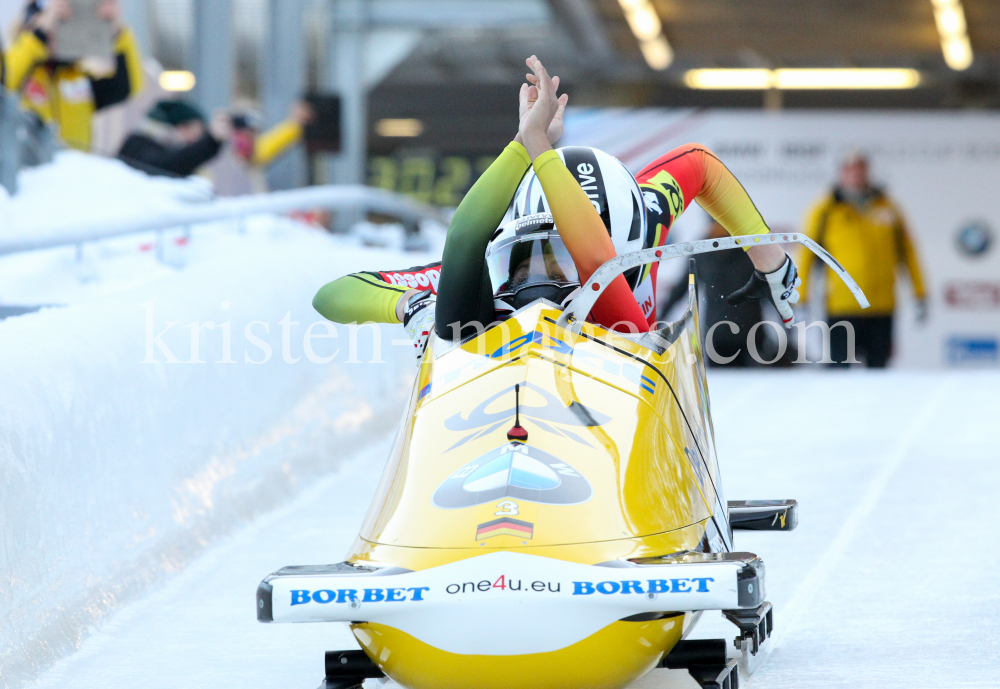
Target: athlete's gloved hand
[(922, 310), (418, 320), (778, 287)]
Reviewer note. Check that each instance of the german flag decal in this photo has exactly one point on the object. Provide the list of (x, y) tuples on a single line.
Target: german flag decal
[(505, 527)]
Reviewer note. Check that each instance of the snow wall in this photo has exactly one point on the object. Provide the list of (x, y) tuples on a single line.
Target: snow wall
[(116, 471)]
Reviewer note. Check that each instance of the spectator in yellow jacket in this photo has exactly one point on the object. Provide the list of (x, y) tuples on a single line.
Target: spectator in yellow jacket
[(69, 93), (867, 234)]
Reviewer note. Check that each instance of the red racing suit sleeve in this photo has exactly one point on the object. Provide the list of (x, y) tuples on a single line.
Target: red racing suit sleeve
[(693, 173)]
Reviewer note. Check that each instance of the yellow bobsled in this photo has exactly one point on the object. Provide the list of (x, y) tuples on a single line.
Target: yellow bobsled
[(552, 515)]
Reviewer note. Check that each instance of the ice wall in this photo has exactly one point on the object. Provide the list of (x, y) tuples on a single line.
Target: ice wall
[(116, 471)]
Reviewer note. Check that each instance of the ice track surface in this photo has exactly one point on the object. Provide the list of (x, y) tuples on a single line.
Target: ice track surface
[(891, 580)]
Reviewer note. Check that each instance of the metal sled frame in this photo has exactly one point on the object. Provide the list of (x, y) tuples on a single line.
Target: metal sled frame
[(577, 311)]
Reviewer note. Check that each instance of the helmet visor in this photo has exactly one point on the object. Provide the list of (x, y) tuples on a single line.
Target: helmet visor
[(535, 259)]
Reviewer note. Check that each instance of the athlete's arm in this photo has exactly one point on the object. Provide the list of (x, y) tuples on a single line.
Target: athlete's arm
[(376, 297), (358, 298), (588, 242), (578, 223), (693, 173), (463, 266)]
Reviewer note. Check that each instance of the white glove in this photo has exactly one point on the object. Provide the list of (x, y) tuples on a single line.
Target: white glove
[(418, 320), (777, 287)]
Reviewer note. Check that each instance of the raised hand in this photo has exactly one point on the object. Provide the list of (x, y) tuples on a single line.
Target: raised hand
[(528, 96), (540, 110), (555, 130)]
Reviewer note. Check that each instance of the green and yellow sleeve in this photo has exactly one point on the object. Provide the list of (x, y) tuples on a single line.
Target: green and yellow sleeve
[(464, 294), (359, 298)]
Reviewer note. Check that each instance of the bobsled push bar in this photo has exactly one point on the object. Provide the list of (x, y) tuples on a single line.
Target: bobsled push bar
[(578, 310)]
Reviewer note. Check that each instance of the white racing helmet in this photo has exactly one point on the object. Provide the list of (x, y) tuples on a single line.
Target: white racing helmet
[(609, 186), (527, 260)]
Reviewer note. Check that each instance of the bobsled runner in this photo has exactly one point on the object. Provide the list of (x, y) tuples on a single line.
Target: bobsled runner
[(552, 513)]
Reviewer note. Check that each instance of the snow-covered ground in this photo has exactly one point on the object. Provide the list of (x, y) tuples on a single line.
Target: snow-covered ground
[(889, 581), (157, 406)]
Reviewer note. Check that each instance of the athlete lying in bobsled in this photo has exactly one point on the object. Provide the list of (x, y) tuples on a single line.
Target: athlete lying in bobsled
[(545, 220), (583, 554)]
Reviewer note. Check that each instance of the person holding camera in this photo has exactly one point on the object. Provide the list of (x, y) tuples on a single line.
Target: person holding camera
[(239, 169), (67, 92)]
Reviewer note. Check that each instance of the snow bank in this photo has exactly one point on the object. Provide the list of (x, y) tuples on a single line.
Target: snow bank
[(116, 467), (82, 188)]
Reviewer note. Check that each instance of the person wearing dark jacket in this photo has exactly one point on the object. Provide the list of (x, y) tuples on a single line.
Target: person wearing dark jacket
[(174, 140)]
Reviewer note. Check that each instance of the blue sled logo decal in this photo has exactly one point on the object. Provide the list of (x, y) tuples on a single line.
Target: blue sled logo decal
[(514, 471)]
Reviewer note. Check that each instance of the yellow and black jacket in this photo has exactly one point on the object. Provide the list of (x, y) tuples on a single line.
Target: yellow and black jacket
[(62, 92), (869, 241)]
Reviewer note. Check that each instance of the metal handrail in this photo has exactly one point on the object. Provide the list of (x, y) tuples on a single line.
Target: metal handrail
[(329, 197), (577, 311)]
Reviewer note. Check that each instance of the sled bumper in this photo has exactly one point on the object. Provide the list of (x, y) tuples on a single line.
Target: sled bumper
[(449, 605)]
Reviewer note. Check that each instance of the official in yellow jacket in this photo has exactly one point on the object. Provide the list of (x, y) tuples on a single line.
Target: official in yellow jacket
[(866, 232), (64, 93)]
